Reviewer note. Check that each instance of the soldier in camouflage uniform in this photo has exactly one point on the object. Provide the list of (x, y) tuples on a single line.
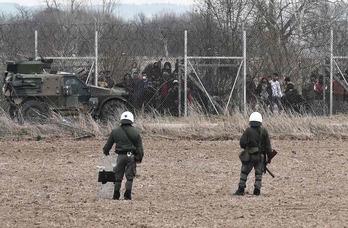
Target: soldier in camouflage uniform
[(259, 145), (129, 148)]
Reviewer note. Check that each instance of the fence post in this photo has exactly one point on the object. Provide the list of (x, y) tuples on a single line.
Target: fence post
[(179, 88), (96, 59), (244, 70), (331, 71), (36, 44), (185, 82)]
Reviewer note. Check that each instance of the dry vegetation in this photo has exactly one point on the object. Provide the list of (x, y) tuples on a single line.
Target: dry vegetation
[(196, 126)]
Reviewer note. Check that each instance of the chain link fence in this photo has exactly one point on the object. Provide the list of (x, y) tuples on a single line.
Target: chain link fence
[(145, 59), (148, 60)]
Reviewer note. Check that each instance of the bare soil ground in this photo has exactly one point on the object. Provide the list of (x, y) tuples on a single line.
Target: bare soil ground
[(53, 182)]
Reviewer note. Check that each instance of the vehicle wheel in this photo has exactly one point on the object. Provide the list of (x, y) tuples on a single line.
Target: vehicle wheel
[(13, 112), (34, 111), (112, 110)]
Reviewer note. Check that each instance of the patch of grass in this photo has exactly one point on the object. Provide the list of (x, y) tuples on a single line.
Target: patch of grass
[(38, 138), (196, 126)]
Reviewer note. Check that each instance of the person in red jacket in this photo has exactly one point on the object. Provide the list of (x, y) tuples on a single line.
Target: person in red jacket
[(319, 88)]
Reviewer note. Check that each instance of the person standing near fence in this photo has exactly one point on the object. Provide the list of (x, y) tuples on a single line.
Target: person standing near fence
[(129, 148), (256, 139), (134, 69), (276, 93), (140, 85), (250, 92), (264, 92), (308, 89), (338, 93), (319, 88), (167, 67)]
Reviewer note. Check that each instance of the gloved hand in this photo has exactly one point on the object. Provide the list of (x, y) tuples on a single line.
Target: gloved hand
[(106, 153), (136, 159)]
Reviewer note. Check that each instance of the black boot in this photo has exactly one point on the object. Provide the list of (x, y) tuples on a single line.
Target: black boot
[(257, 191), (128, 195), (239, 192), (116, 195)]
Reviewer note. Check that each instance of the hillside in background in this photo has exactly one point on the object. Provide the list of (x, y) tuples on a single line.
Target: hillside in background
[(126, 11)]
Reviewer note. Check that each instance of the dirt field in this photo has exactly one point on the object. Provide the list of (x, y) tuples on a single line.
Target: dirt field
[(53, 182)]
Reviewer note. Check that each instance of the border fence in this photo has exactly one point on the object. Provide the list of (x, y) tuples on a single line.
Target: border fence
[(155, 64), (149, 64), (229, 82), (337, 80)]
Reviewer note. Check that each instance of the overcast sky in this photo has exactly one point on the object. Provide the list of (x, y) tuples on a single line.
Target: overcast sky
[(37, 2)]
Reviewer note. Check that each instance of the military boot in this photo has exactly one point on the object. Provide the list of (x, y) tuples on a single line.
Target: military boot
[(128, 195), (257, 191), (239, 192), (116, 195)]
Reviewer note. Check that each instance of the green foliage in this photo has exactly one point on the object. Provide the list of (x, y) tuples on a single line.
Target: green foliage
[(38, 138)]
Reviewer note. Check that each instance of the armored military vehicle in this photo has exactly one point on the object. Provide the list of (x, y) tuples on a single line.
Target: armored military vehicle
[(32, 94)]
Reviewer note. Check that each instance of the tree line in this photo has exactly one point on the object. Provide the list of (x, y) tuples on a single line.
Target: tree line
[(290, 37)]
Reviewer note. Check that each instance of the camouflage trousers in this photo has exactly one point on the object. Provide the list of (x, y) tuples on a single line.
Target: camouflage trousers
[(255, 163), (126, 166)]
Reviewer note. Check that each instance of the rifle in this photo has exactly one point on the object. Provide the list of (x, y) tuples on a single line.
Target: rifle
[(265, 162), (270, 173)]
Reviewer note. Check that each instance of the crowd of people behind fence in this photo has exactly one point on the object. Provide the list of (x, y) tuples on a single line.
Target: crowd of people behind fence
[(268, 93), (155, 87)]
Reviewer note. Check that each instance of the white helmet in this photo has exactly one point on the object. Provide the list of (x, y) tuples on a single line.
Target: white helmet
[(255, 119), (127, 117)]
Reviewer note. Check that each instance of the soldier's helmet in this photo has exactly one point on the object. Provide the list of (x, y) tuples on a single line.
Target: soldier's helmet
[(255, 119), (127, 117)]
